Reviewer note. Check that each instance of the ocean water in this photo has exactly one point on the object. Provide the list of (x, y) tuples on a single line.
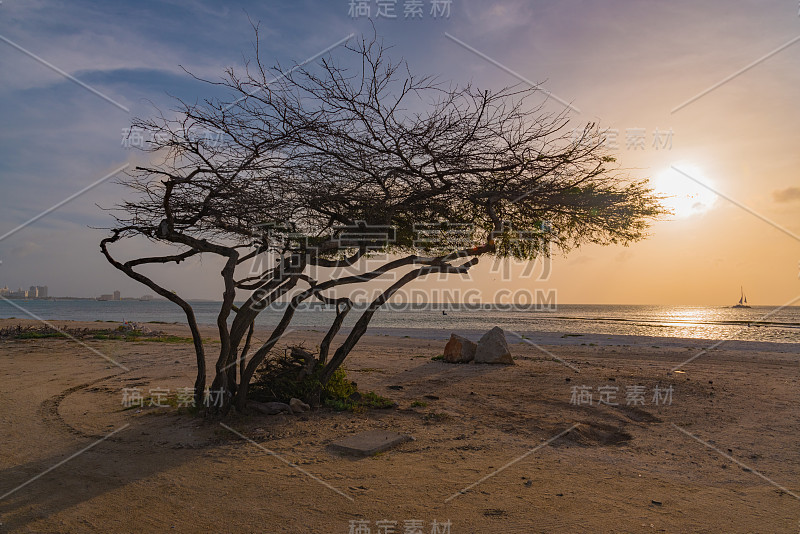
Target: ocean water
[(759, 323)]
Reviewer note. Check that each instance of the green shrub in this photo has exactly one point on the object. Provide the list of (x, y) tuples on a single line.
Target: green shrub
[(277, 379), (359, 403), (339, 387), (435, 417)]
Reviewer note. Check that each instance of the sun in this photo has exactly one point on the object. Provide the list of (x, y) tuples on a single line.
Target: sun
[(681, 192)]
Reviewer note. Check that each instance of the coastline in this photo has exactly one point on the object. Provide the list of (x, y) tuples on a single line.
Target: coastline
[(710, 323), (561, 339), (545, 339)]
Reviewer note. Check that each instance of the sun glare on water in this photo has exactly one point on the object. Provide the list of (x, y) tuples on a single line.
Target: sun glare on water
[(683, 195)]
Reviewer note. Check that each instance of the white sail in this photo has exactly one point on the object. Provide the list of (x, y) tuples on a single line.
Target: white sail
[(742, 299)]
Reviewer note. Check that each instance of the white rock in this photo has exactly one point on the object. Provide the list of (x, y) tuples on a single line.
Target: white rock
[(298, 406), (492, 348), (269, 408)]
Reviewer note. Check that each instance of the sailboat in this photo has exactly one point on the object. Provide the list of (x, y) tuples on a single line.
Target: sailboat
[(742, 300)]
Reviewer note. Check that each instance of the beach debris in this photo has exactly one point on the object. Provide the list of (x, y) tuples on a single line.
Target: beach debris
[(369, 442), (495, 512), (493, 348), (269, 408), (459, 350), (298, 406), (130, 326)]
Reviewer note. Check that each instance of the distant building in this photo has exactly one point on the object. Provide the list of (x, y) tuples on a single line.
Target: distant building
[(32, 293), (115, 296)]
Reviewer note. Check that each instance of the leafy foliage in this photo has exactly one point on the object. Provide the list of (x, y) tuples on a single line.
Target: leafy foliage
[(359, 403), (281, 378), (285, 376)]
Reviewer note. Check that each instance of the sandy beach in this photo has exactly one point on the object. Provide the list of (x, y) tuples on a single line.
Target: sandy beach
[(495, 448)]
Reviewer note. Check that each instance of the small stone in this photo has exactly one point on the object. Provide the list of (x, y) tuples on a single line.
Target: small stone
[(299, 406), (269, 408), (369, 442)]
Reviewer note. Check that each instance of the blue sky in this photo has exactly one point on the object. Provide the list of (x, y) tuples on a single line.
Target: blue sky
[(624, 64)]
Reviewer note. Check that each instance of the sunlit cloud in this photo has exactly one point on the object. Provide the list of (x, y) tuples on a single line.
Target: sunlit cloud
[(790, 194)]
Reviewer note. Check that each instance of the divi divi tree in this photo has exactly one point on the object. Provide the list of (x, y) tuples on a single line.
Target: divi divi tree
[(310, 181)]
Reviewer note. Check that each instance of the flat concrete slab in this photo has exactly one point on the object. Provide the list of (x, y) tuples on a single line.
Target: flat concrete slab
[(369, 442)]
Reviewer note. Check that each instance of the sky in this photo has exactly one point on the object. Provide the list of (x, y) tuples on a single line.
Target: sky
[(704, 89)]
